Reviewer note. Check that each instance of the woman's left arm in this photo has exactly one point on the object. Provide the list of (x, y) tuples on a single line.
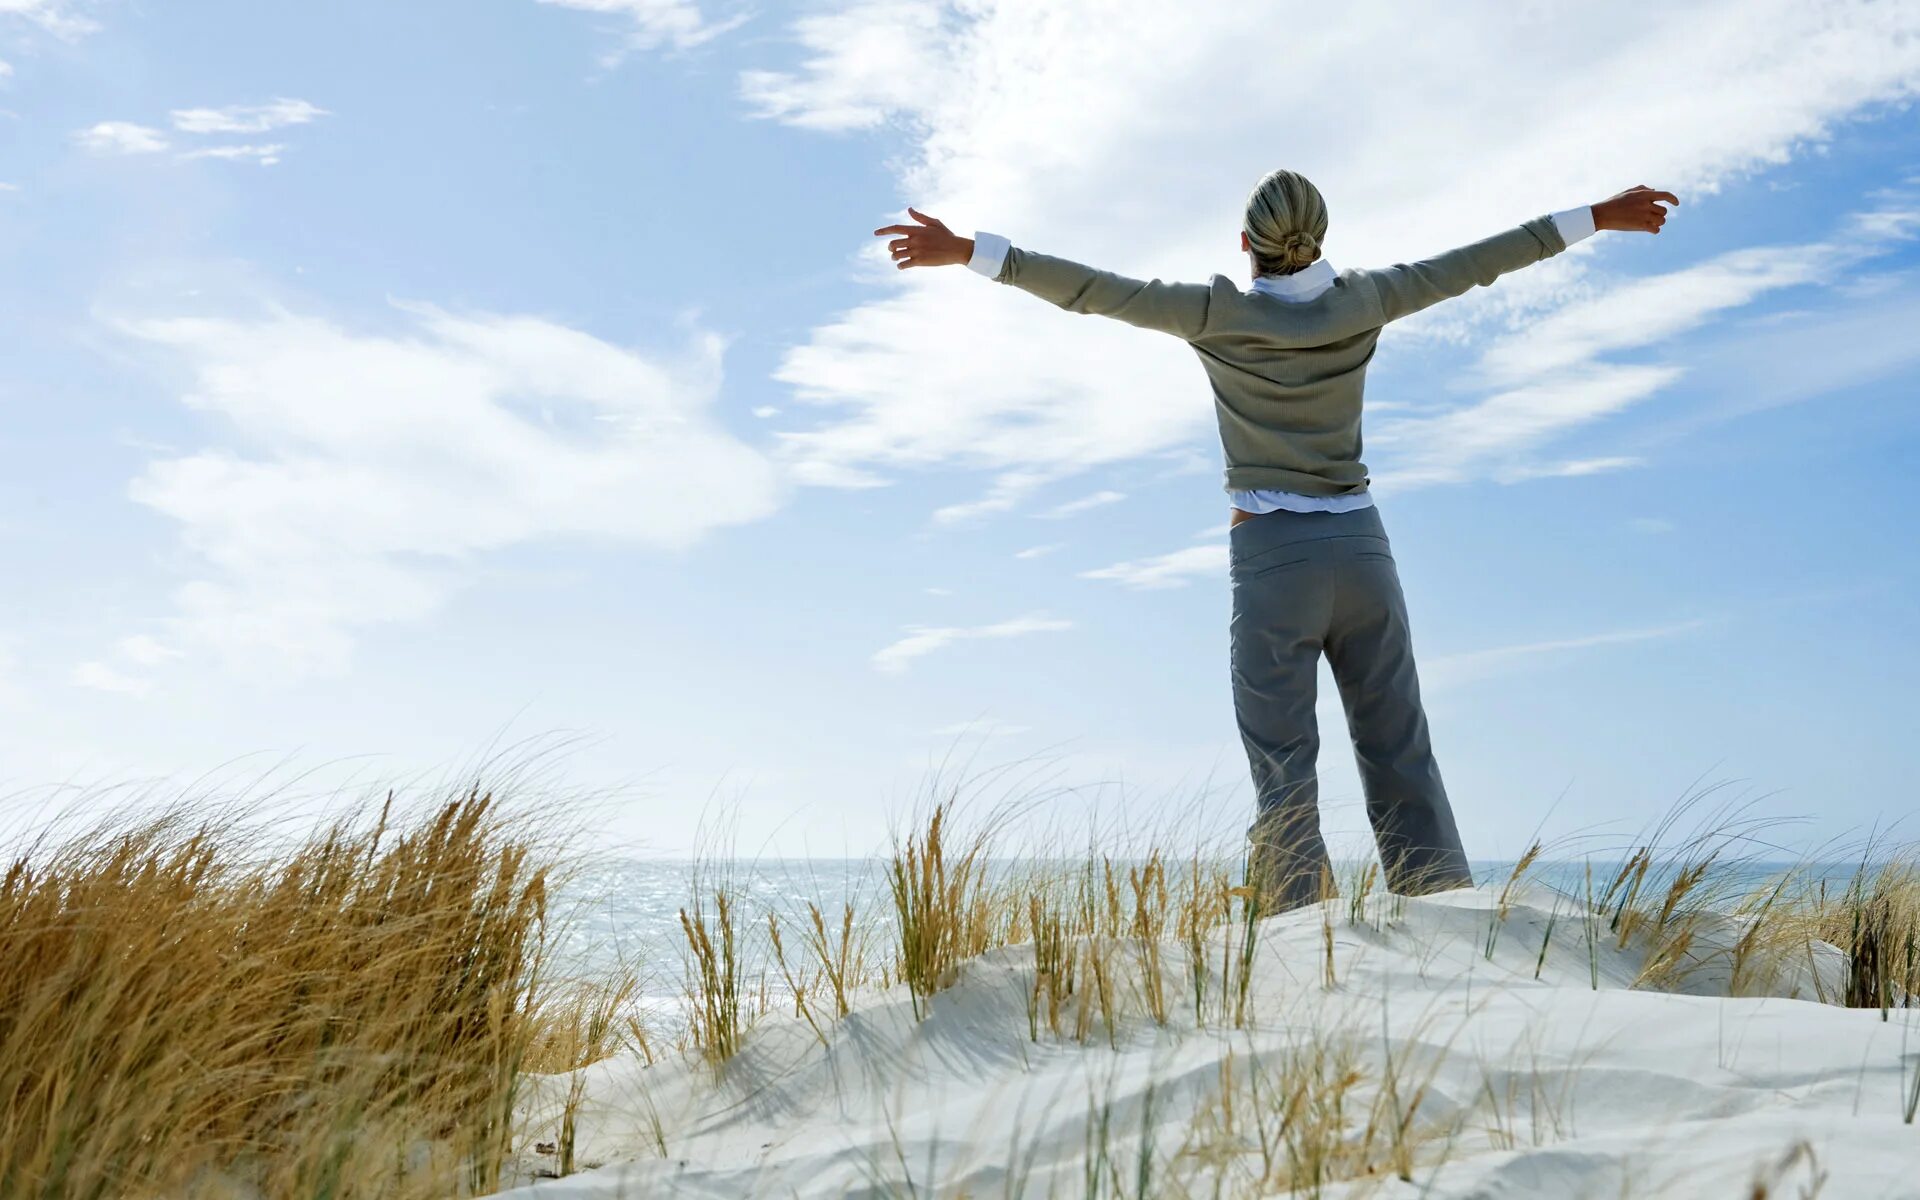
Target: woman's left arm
[(1176, 308)]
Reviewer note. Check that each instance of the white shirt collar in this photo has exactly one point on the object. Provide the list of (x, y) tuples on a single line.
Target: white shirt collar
[(1304, 284)]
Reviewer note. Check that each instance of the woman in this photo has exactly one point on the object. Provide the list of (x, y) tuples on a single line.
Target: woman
[(1311, 567)]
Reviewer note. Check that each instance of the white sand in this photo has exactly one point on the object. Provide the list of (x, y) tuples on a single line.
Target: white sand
[(1553, 1088)]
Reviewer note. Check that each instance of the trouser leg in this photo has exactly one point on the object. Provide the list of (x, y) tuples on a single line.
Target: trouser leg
[(1277, 618), (1370, 648)]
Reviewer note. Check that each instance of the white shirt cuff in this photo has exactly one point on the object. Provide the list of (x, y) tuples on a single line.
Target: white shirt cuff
[(1574, 223), (989, 253)]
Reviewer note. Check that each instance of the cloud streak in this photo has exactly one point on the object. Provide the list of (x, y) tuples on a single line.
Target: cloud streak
[(1448, 670), (1074, 508), (920, 641), (866, 61), (100, 677), (266, 155), (131, 138), (121, 137), (652, 23), (56, 17), (1007, 492), (1551, 380), (247, 118), (1177, 569)]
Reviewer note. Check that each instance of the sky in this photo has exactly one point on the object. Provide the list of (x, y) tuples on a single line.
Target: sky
[(384, 383)]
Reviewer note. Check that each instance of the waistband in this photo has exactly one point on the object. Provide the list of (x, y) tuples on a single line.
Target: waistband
[(1282, 527)]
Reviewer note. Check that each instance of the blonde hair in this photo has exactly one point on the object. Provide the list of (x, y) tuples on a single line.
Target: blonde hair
[(1286, 221)]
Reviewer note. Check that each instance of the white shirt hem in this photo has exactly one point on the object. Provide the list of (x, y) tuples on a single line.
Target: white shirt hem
[(1270, 500)]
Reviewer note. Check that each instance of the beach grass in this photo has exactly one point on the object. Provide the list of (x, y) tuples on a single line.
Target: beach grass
[(350, 1015), (193, 1008), (1115, 934)]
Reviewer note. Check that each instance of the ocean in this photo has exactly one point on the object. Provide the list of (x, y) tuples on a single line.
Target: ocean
[(626, 913)]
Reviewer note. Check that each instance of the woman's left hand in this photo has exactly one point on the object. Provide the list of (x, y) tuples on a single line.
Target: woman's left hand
[(1633, 210), (928, 244)]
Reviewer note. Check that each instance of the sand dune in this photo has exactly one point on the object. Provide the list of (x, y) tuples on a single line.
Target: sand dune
[(1436, 1064)]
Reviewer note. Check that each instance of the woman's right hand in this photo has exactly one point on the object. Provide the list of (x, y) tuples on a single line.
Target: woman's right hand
[(928, 244), (1633, 209)]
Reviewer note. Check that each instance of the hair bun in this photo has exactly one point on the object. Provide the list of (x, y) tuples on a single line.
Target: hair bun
[(1286, 218)]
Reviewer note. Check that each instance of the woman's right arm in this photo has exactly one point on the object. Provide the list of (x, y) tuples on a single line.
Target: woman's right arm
[(1176, 308), (1406, 288)]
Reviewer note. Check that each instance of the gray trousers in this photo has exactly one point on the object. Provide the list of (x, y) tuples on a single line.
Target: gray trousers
[(1304, 583)]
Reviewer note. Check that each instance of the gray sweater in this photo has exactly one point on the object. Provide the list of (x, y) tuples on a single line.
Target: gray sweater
[(1286, 376)]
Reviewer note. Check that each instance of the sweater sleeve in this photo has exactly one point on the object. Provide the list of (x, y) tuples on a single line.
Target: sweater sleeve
[(1406, 288), (1176, 308)]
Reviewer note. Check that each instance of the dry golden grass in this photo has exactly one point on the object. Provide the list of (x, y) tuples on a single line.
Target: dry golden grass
[(1322, 1111), (840, 956), (1117, 932), (1799, 1160), (357, 1015), (943, 907), (1694, 905), (1873, 916), (352, 1017), (1055, 957), (1148, 884), (581, 1024), (1876, 919), (715, 1020)]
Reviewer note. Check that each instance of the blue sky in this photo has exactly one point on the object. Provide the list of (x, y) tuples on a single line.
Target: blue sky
[(377, 379)]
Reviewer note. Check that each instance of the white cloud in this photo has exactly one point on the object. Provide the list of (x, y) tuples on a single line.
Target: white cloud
[(1177, 569), (1074, 508), (655, 22), (1569, 469), (921, 641), (246, 118), (365, 473), (1640, 312), (57, 17), (265, 155), (1651, 525), (1037, 551), (1042, 121), (145, 651), (980, 729), (9, 187), (103, 678), (6, 69), (869, 60), (1451, 669), (127, 137), (817, 473), (764, 411), (1462, 443), (1008, 490), (1814, 357), (1555, 383), (121, 137)]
